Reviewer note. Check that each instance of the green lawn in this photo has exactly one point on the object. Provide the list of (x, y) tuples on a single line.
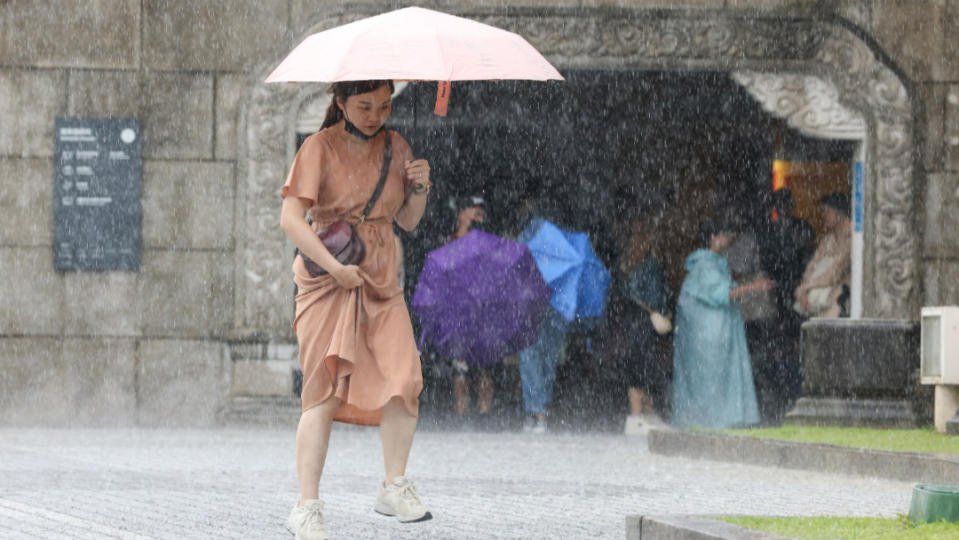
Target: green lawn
[(838, 528), (899, 440)]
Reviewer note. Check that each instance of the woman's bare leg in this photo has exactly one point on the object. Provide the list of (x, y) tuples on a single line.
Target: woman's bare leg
[(397, 427), (312, 441), (484, 391), (462, 394), (635, 401)]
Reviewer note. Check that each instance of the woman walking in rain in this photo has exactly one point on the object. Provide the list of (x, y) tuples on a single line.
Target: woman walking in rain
[(712, 374), (359, 358)]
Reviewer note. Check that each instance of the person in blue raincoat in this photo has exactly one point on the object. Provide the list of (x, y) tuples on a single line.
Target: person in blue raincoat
[(712, 374)]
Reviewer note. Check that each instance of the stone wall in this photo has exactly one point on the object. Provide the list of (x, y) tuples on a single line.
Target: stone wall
[(152, 347), (161, 346)]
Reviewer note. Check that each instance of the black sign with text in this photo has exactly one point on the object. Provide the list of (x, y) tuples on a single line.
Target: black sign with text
[(97, 185)]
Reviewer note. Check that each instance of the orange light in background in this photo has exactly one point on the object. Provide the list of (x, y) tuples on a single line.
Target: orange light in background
[(780, 180), (780, 174)]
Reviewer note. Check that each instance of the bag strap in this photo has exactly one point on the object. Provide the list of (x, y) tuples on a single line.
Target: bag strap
[(644, 306), (387, 157)]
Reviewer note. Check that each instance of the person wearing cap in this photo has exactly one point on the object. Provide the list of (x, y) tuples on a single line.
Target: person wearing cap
[(472, 212), (825, 283)]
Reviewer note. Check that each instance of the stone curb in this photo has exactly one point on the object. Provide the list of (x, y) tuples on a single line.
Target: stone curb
[(689, 528), (904, 466)]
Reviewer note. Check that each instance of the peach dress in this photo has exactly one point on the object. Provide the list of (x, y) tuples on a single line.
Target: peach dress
[(356, 344)]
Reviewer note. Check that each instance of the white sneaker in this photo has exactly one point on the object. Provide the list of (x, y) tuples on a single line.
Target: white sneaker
[(635, 426), (306, 522), (653, 421), (539, 428), (400, 499)]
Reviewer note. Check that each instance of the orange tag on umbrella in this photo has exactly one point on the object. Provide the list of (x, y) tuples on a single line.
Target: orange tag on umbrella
[(443, 89)]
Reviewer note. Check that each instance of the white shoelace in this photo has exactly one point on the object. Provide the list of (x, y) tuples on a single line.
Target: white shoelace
[(314, 519), (408, 493)]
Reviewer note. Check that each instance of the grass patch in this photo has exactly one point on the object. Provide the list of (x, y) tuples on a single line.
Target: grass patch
[(899, 440), (841, 528)]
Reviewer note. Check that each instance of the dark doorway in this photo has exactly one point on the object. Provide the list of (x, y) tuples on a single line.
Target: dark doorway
[(591, 154)]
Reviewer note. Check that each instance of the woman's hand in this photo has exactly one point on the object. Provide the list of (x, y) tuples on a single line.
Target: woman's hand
[(802, 296), (418, 178), (762, 285), (418, 173), (758, 285), (348, 276)]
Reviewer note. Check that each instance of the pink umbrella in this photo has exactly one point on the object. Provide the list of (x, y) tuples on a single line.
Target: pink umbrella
[(415, 44)]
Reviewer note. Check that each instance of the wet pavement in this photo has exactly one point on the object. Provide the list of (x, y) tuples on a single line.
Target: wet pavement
[(238, 483)]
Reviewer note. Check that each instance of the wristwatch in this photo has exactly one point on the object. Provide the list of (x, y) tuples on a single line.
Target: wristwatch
[(421, 189)]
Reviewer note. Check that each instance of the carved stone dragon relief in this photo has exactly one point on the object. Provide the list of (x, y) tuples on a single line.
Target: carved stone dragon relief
[(600, 40)]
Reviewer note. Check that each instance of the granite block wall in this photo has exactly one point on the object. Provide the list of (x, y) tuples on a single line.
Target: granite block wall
[(147, 347)]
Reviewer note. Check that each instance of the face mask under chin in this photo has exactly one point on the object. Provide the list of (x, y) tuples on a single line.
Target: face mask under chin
[(355, 131)]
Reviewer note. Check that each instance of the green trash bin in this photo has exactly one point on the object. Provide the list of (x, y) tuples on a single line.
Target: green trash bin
[(931, 503)]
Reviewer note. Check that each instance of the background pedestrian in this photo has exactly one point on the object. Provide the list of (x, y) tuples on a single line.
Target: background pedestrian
[(712, 374)]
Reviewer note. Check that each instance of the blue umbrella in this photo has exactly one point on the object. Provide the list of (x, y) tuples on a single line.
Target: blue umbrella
[(578, 279)]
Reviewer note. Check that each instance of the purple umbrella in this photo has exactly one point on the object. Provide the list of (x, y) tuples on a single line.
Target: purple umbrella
[(480, 298)]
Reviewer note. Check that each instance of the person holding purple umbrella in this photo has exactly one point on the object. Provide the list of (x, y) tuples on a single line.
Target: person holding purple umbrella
[(479, 299), (471, 214), (359, 358)]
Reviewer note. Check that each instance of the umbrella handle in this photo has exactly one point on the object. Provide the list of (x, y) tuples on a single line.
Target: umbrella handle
[(413, 87), (442, 97)]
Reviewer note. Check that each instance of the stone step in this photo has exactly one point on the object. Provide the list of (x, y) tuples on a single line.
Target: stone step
[(826, 411), (280, 410)]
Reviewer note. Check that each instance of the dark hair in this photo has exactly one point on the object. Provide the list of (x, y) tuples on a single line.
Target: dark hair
[(836, 201), (344, 90), (711, 227)]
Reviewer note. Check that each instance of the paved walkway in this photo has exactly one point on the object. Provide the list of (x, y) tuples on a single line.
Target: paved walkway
[(234, 483)]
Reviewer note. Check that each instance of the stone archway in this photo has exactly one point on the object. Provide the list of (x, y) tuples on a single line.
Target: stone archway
[(618, 40)]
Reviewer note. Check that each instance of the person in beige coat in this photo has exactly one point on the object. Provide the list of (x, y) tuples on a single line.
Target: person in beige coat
[(827, 275)]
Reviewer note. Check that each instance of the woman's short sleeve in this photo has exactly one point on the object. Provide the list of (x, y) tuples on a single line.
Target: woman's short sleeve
[(306, 172)]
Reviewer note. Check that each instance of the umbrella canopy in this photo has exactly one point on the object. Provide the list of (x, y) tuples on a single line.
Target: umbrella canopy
[(414, 44), (480, 298), (569, 265)]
